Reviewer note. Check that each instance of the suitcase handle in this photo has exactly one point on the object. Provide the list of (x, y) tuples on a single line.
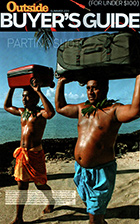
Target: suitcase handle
[(52, 84), (31, 82)]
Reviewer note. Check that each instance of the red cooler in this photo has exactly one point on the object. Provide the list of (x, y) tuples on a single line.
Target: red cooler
[(20, 77)]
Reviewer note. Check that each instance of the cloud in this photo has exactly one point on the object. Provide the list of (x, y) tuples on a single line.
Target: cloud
[(70, 96), (122, 89), (83, 96), (50, 94)]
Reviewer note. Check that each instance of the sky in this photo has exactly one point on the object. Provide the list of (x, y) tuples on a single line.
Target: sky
[(20, 49)]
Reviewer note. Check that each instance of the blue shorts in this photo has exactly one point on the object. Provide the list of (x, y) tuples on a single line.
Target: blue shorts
[(95, 186)]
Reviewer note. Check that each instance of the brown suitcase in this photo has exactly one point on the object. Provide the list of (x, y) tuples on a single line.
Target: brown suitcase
[(22, 76)]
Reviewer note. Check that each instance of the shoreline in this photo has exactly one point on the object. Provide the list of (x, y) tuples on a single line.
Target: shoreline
[(123, 207), (59, 149)]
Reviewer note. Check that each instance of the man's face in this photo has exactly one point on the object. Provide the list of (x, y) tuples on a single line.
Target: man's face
[(28, 99), (95, 91)]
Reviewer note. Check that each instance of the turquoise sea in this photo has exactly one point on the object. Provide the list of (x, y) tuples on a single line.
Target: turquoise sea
[(58, 127)]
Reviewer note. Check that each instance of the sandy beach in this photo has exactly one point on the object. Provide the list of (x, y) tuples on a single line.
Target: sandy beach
[(123, 207)]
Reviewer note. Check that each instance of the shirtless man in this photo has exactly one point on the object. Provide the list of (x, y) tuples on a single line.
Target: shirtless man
[(30, 159), (95, 166)]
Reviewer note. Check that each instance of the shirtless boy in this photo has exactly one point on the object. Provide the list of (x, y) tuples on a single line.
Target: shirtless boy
[(30, 159), (95, 166)]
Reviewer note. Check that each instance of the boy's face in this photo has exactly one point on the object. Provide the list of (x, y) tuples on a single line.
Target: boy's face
[(28, 99)]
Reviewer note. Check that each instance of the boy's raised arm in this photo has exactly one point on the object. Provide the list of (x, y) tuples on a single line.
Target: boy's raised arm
[(48, 112), (8, 104)]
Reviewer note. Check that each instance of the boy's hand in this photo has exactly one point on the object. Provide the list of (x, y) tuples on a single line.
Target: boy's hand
[(34, 84)]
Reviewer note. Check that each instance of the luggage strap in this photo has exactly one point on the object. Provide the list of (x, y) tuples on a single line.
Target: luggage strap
[(107, 45), (78, 54)]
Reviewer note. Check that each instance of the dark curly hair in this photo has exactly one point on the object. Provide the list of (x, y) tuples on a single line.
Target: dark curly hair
[(32, 93)]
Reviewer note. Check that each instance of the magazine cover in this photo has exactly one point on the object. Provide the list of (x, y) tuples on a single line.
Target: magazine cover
[(69, 111)]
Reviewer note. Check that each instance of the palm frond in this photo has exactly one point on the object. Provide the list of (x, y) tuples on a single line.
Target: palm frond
[(44, 38)]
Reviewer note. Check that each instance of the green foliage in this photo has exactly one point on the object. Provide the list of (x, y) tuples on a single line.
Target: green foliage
[(26, 114), (44, 37), (100, 105)]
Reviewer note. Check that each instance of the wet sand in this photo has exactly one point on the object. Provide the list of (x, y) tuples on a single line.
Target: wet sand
[(123, 207)]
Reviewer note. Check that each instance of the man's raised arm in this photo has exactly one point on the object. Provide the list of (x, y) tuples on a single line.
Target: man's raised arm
[(126, 113), (68, 110), (8, 104)]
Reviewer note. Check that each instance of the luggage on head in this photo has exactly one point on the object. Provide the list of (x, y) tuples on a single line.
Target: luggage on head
[(22, 76), (106, 55)]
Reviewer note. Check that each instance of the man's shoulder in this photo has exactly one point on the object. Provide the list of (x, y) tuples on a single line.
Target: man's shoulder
[(118, 104), (81, 105), (113, 107)]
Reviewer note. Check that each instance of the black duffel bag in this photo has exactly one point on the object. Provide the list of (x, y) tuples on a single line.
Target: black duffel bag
[(110, 56)]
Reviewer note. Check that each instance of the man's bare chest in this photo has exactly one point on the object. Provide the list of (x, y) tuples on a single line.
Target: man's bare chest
[(102, 120)]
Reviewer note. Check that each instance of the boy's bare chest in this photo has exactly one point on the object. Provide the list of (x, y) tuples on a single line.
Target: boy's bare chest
[(32, 123)]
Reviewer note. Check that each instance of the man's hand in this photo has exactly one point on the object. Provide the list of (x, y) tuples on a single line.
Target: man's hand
[(64, 80)]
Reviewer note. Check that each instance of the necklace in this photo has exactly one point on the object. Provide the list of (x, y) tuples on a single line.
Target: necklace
[(26, 114), (100, 105)]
